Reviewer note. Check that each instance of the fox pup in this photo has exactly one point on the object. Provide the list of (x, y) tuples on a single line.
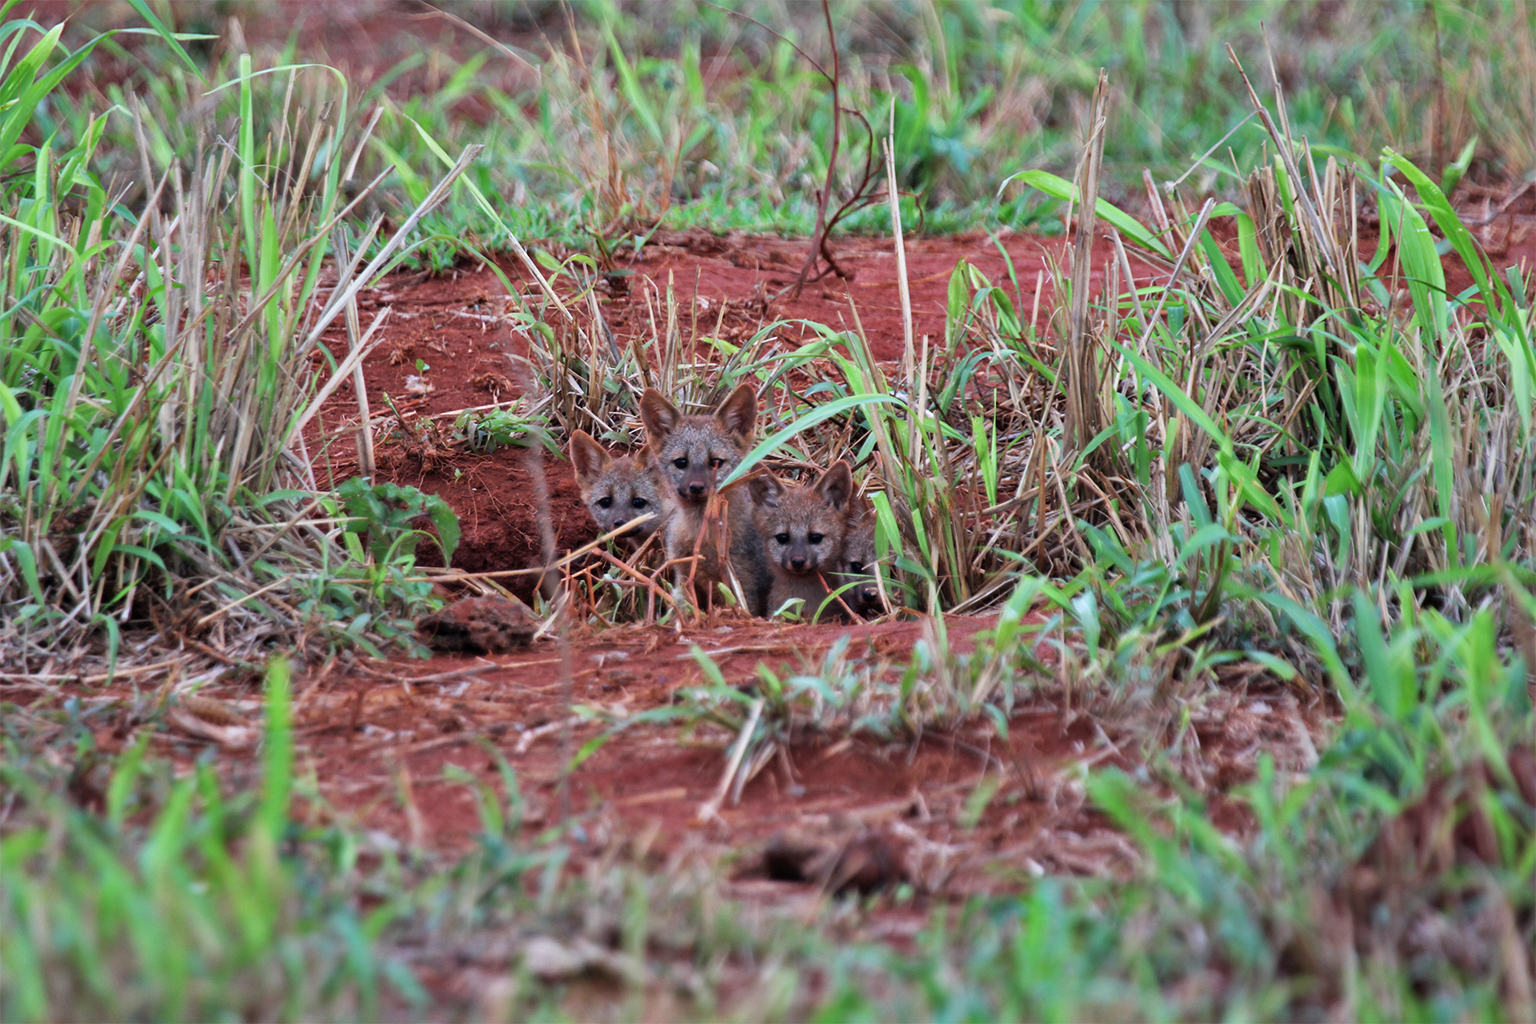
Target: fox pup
[(615, 490), (690, 455), (803, 530), (857, 566)]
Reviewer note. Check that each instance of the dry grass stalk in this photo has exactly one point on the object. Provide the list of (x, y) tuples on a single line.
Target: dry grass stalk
[(1084, 416)]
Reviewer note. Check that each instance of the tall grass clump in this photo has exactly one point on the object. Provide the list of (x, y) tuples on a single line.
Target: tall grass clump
[(1274, 413), (1289, 412), (162, 371)]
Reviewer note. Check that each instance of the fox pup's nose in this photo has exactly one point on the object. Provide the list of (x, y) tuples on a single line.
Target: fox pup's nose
[(619, 522), (797, 562), (696, 489)]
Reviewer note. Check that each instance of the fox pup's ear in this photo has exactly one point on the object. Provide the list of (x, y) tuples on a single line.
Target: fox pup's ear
[(587, 456), (659, 415), (738, 413), (765, 490), (836, 484)]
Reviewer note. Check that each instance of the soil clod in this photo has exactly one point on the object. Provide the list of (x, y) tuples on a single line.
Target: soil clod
[(863, 861), (479, 625)]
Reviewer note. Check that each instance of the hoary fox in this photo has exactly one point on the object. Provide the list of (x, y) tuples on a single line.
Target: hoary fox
[(857, 565), (690, 455), (616, 490), (803, 528)]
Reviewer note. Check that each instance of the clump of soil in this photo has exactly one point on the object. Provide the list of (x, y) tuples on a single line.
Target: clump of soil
[(863, 860), (479, 625)]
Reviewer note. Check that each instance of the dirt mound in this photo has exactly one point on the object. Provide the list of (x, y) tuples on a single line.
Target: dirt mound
[(953, 809), (445, 349), (479, 625)]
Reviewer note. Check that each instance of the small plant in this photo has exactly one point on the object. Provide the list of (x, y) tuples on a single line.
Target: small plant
[(385, 514), (487, 432)]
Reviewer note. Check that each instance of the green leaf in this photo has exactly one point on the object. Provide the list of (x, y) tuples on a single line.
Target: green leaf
[(629, 87), (124, 777), (1175, 394), (1060, 188), (168, 36), (1449, 221), (1392, 692), (820, 414), (1208, 536), (1420, 258), (446, 520), (277, 769)]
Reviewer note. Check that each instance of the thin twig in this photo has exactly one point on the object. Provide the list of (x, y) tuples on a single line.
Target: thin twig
[(861, 196)]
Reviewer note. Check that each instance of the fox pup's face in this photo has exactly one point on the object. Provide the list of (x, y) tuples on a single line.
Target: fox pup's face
[(858, 567), (803, 527), (616, 491), (694, 453)]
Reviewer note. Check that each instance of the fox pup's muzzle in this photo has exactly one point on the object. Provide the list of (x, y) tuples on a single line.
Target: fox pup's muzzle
[(695, 485), (866, 598)]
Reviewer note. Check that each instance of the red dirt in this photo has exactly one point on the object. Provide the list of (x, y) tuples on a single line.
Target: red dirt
[(402, 748), (643, 775), (387, 741)]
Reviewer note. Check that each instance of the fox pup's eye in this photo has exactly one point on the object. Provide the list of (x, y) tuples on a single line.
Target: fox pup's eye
[(638, 502), (814, 538), (604, 502), (782, 538), (716, 463), (681, 463), (855, 566)]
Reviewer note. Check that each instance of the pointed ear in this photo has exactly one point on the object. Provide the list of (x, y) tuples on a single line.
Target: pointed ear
[(645, 454), (836, 484), (587, 456), (659, 415), (738, 413), (765, 490)]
